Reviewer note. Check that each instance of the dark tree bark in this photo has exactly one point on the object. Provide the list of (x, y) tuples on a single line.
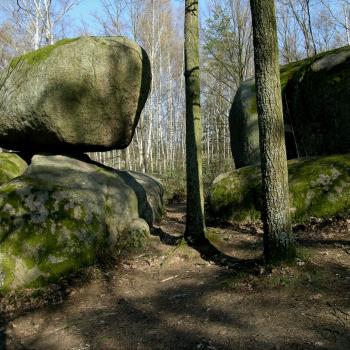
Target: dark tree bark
[(278, 239), (195, 225)]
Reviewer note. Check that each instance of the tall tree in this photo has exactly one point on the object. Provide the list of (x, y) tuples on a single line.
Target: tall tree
[(35, 23), (195, 225), (227, 60), (278, 240)]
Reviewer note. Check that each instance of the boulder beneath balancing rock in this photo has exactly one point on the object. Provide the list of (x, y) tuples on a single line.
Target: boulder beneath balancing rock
[(62, 214), (319, 187), (79, 95)]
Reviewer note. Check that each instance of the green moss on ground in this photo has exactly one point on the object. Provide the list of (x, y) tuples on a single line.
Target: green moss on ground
[(319, 187), (40, 55)]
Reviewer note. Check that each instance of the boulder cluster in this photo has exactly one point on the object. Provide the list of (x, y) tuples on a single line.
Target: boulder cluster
[(62, 211), (316, 104), (319, 187)]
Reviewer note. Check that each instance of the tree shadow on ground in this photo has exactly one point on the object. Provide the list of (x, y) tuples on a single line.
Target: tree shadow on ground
[(192, 315), (166, 238), (217, 309), (2, 331), (208, 311), (210, 253), (324, 242)]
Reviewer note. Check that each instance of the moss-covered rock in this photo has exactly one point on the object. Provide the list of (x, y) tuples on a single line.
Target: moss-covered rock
[(79, 95), (316, 101), (319, 187), (11, 166), (62, 213)]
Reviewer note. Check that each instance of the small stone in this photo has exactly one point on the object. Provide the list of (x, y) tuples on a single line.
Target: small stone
[(316, 296), (319, 344)]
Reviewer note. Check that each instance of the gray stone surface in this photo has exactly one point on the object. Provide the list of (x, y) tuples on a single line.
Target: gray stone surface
[(62, 213), (79, 95), (316, 103), (244, 128), (318, 188)]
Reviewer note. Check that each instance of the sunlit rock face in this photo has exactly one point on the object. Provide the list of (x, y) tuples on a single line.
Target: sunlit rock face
[(63, 213), (79, 95), (11, 166), (316, 104), (318, 187)]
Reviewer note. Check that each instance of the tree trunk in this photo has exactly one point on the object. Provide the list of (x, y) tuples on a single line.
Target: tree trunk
[(346, 14), (278, 240), (195, 226)]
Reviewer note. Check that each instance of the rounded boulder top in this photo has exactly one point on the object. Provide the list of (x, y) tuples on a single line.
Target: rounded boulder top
[(78, 95)]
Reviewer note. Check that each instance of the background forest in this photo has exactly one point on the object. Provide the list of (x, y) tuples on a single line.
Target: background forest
[(305, 27), (91, 258)]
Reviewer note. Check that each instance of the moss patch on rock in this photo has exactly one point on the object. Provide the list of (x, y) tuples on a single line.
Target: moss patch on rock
[(79, 95), (11, 166), (35, 57), (315, 94), (45, 234), (62, 213), (319, 187)]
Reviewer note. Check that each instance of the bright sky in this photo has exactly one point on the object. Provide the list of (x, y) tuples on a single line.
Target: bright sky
[(88, 8), (85, 11)]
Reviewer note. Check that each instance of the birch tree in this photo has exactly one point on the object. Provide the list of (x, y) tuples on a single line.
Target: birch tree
[(158, 139), (307, 27), (37, 22), (227, 58)]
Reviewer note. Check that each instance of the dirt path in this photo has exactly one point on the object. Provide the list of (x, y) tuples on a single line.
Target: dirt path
[(170, 298)]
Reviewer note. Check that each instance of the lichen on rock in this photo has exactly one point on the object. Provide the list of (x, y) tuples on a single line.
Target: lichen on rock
[(319, 187), (62, 213)]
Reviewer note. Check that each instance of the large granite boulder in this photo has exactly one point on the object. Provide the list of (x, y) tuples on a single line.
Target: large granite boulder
[(11, 166), (244, 128), (316, 103), (318, 187), (79, 95), (63, 213)]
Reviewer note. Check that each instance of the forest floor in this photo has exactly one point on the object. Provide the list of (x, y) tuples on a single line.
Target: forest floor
[(172, 297)]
